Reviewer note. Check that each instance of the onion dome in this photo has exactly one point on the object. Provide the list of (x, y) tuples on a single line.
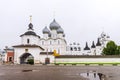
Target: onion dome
[(93, 45), (98, 42), (45, 30), (86, 47), (60, 30), (30, 31), (54, 25), (30, 26)]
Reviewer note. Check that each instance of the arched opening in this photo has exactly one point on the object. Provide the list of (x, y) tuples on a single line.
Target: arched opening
[(75, 49), (26, 58)]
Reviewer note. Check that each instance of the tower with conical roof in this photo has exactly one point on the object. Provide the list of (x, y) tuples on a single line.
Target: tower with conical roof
[(93, 49), (98, 42), (86, 49), (98, 47)]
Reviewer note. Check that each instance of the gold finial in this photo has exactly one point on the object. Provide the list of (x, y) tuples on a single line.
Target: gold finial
[(30, 18)]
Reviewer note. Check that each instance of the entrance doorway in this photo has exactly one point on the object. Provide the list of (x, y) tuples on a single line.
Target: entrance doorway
[(10, 59), (25, 58), (47, 60)]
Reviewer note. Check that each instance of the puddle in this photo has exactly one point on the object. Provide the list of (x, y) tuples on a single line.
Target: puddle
[(30, 70), (1, 74), (26, 70), (93, 75)]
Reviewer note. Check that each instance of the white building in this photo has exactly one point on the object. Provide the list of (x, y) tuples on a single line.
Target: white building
[(41, 48), (73, 49), (2, 56), (54, 39)]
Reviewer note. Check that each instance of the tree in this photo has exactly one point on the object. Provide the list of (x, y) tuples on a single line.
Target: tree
[(118, 49), (111, 49)]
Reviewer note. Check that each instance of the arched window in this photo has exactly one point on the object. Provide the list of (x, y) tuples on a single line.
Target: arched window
[(75, 48), (28, 41), (71, 48)]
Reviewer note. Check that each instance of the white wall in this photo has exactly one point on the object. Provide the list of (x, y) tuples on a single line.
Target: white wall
[(35, 52), (59, 47), (42, 58), (91, 60), (33, 39)]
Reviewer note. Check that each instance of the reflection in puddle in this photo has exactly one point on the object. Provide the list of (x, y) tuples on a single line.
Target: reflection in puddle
[(92, 75)]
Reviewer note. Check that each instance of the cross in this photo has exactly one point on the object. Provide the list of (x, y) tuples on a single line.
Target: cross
[(30, 18)]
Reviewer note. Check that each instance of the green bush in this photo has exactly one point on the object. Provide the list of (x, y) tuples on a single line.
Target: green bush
[(30, 61)]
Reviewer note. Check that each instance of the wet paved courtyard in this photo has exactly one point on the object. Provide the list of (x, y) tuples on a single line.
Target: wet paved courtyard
[(51, 72)]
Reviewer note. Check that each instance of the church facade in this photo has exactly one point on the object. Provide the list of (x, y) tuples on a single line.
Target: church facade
[(40, 49)]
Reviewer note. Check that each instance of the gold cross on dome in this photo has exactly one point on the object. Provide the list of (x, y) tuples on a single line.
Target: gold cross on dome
[(30, 18)]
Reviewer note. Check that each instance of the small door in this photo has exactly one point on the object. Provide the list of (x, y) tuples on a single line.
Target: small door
[(10, 59), (47, 60)]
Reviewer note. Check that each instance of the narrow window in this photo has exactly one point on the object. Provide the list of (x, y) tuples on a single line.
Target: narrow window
[(28, 41), (71, 48), (75, 48), (79, 49)]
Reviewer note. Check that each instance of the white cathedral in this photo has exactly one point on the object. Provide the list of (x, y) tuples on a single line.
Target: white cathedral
[(41, 48)]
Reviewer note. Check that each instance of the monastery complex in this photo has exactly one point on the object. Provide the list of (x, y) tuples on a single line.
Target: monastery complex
[(41, 48)]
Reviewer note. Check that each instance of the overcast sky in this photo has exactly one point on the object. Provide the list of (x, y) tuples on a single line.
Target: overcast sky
[(82, 20)]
